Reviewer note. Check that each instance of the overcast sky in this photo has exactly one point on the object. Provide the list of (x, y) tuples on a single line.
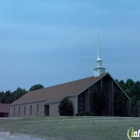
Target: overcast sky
[(50, 42)]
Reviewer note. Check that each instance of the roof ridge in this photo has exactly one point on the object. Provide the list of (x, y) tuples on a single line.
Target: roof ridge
[(69, 82), (62, 84)]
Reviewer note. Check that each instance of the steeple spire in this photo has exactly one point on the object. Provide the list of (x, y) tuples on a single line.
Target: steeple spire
[(98, 51), (99, 60), (99, 69)]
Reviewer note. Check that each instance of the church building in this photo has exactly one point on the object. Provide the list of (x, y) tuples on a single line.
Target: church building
[(99, 94)]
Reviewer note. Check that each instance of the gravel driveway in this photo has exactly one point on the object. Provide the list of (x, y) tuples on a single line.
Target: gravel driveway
[(9, 136)]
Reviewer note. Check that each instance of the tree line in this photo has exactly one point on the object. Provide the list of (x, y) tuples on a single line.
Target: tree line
[(132, 89), (9, 97)]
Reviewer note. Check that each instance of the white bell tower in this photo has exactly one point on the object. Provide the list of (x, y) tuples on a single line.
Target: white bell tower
[(99, 69)]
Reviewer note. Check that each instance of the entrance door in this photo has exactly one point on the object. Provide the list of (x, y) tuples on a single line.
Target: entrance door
[(46, 110)]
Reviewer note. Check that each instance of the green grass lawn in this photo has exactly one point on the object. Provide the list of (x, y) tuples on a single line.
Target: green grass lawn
[(72, 128)]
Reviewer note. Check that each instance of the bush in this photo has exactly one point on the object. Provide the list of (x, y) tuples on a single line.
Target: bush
[(65, 107), (84, 113)]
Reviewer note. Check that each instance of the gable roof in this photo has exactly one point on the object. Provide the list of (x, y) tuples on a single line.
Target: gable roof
[(58, 92), (4, 108)]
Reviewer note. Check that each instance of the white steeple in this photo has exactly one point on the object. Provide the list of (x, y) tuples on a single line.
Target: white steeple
[(99, 60), (99, 69)]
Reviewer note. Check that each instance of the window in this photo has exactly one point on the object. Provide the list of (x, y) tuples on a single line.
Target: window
[(14, 111), (24, 110), (38, 108), (19, 111), (105, 85), (81, 102), (30, 109)]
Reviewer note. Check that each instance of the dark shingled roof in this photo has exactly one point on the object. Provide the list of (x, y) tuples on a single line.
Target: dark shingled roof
[(4, 108), (58, 92)]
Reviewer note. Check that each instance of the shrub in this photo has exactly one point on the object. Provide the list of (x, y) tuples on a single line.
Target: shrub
[(65, 107), (84, 113)]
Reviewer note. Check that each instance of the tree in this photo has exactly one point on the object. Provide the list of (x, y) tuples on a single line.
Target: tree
[(18, 93), (1, 96), (129, 83), (136, 90), (65, 107), (132, 89), (7, 97), (122, 84), (35, 87)]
